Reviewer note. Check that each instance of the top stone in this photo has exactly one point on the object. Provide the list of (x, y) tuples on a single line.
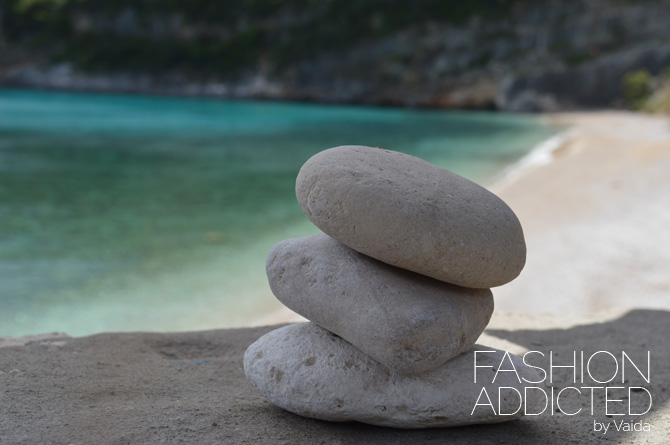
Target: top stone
[(406, 212)]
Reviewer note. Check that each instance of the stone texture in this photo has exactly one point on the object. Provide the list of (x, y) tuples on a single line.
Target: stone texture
[(409, 213), (189, 387), (311, 372), (406, 321)]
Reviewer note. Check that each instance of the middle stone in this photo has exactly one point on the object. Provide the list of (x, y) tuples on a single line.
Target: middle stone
[(406, 321)]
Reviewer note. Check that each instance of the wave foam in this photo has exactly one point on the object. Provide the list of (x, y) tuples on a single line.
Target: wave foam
[(541, 154)]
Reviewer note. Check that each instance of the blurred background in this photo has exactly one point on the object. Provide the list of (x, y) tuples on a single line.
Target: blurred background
[(524, 55), (148, 149)]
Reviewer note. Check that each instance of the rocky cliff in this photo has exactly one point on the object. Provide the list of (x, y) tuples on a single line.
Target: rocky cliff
[(521, 56)]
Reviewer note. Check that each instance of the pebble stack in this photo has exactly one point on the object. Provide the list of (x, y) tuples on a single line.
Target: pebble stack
[(396, 289)]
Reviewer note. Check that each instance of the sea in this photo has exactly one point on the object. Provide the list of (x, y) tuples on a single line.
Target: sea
[(136, 213)]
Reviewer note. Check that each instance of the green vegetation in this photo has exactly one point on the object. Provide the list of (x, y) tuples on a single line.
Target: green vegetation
[(210, 38), (645, 92), (659, 99), (577, 57), (636, 88)]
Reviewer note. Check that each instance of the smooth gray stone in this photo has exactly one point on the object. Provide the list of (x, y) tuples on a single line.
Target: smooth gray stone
[(314, 373), (409, 213), (408, 322)]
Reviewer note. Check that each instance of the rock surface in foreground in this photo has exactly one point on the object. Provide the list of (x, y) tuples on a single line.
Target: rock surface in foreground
[(411, 214), (314, 373), (406, 321)]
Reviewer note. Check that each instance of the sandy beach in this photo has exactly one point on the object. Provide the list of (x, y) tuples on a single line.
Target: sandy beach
[(597, 277), (596, 219), (595, 213)]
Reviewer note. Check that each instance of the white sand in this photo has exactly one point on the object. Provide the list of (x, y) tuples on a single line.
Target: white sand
[(596, 219), (596, 216)]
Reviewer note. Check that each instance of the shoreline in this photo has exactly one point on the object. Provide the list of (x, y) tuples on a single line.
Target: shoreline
[(552, 213), (589, 140), (245, 98), (595, 221), (541, 154)]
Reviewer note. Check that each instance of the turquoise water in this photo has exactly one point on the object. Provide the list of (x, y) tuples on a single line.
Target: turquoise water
[(122, 213)]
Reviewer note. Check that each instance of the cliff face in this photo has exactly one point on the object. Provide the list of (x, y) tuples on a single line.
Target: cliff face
[(549, 56), (533, 56)]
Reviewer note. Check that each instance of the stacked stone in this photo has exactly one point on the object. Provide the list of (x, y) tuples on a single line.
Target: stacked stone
[(397, 292)]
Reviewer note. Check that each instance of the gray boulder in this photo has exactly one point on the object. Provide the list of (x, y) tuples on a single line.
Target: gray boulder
[(411, 214), (409, 322), (314, 373)]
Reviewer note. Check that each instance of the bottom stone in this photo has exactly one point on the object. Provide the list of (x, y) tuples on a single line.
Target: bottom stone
[(314, 373)]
